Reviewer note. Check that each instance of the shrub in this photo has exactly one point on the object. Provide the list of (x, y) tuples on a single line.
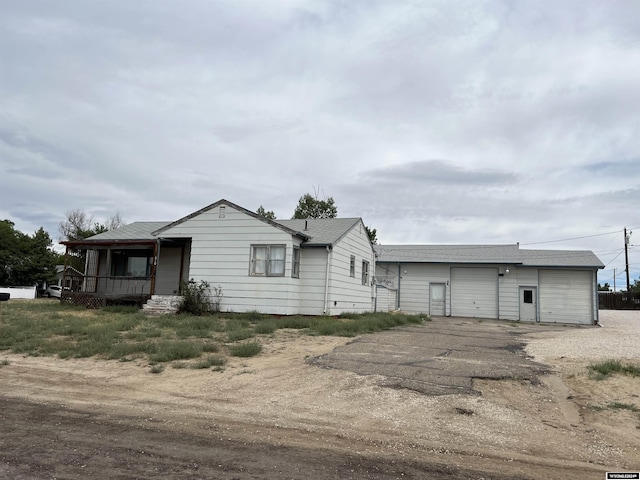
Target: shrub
[(248, 349), (209, 362), (199, 298)]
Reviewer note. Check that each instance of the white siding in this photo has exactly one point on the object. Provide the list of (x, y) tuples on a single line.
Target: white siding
[(414, 282), (474, 292), (508, 307), (346, 293), (566, 296), (385, 299), (220, 254)]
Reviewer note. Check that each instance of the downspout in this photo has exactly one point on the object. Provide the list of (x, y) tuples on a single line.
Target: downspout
[(326, 282), (374, 288)]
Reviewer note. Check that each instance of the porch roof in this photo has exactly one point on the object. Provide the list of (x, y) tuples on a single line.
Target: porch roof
[(133, 233)]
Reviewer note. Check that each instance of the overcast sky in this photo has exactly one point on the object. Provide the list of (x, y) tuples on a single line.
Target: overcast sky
[(435, 121)]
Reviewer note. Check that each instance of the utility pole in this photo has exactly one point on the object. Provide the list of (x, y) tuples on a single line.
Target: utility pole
[(626, 255)]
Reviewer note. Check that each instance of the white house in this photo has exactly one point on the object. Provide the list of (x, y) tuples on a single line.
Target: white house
[(327, 266), (490, 281), (309, 267)]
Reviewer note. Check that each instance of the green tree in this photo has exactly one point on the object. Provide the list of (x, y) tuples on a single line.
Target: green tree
[(635, 286), (312, 207), (25, 259), (266, 213), (372, 232), (604, 288)]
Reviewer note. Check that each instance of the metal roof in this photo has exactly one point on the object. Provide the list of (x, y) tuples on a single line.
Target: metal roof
[(486, 254), (322, 231)]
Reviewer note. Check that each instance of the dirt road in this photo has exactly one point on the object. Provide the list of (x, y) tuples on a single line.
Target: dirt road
[(277, 416)]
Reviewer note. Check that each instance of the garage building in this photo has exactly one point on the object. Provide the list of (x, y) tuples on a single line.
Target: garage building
[(490, 281)]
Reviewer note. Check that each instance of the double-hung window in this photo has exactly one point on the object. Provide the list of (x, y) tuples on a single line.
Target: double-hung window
[(352, 266), (365, 272), (268, 260)]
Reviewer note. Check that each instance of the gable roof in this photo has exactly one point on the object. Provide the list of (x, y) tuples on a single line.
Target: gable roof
[(486, 254), (321, 231), (234, 206)]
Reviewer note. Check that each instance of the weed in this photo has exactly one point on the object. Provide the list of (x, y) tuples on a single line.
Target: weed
[(623, 406), (157, 369), (218, 369), (179, 365), (210, 347), (248, 349), (209, 362), (4, 363)]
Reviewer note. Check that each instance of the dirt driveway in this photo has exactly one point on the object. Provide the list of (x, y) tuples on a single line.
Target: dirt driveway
[(280, 416)]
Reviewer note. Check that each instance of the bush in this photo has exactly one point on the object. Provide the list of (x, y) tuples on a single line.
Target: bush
[(198, 298), (604, 369), (248, 349)]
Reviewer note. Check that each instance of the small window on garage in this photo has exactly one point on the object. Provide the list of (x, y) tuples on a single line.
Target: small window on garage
[(528, 296)]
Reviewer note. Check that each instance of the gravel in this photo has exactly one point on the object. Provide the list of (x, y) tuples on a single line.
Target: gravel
[(617, 338)]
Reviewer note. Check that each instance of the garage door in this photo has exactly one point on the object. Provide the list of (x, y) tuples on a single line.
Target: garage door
[(474, 292), (566, 296)]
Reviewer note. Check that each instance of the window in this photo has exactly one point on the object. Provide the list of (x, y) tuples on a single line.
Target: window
[(268, 260), (528, 296), (352, 266), (295, 263), (131, 263), (365, 272)]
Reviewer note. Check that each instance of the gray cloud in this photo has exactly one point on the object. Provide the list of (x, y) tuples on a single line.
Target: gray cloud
[(156, 109)]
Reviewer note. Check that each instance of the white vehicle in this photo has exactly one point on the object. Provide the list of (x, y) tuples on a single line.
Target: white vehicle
[(53, 291)]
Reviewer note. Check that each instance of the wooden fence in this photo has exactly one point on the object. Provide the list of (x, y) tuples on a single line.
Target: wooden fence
[(619, 300)]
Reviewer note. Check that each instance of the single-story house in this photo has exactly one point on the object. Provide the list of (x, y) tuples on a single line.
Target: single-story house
[(329, 266), (490, 281), (307, 267)]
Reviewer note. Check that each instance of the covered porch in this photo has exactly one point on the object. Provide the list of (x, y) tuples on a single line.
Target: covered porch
[(126, 272)]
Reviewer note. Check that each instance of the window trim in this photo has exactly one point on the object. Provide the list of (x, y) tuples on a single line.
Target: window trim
[(268, 261), (365, 272), (295, 262)]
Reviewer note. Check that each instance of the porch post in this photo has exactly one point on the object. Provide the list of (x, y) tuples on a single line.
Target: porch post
[(154, 266)]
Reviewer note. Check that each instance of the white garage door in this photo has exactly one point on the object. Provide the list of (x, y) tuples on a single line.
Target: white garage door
[(566, 296), (474, 292)]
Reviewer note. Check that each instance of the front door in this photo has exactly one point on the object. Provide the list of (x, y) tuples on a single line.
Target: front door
[(437, 295), (528, 304)]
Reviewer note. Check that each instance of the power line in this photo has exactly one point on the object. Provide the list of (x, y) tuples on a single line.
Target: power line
[(577, 238)]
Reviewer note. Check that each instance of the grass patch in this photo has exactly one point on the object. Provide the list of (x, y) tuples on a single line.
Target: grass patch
[(248, 349), (623, 406), (607, 368), (265, 327), (167, 351), (241, 334), (122, 333)]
